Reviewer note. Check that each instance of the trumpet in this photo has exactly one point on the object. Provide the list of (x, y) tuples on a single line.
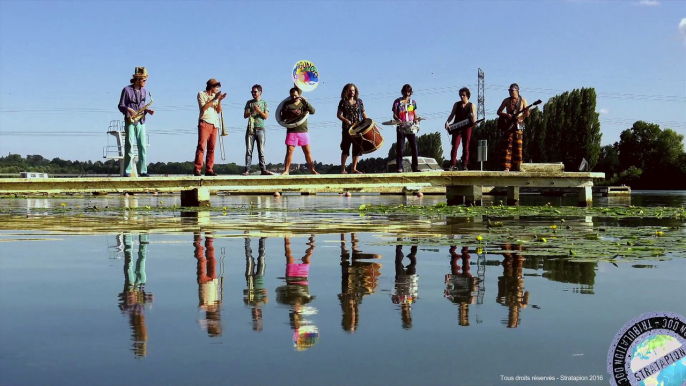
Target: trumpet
[(139, 114), (221, 137)]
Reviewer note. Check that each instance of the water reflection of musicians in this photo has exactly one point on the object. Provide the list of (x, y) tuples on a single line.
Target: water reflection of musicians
[(133, 298), (511, 284), (406, 284), (357, 280), (209, 286), (255, 295), (461, 287), (296, 295)]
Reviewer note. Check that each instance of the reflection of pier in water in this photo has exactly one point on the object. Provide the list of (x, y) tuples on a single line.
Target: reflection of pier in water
[(565, 271)]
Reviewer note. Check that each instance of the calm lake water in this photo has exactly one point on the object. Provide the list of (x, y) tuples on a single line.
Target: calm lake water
[(219, 300)]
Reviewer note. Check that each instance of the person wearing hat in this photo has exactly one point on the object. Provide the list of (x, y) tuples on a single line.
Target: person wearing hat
[(210, 103), (511, 106), (133, 98)]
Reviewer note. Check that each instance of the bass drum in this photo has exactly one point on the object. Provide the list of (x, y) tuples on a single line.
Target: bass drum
[(366, 135), (289, 122)]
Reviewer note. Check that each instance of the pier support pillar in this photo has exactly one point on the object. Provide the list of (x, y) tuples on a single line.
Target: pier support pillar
[(468, 195), (512, 195), (197, 197), (586, 196)]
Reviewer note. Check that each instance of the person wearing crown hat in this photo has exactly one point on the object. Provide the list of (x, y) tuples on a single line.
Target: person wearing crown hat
[(210, 103), (132, 101)]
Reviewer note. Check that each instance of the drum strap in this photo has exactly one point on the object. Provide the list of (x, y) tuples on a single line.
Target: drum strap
[(360, 109)]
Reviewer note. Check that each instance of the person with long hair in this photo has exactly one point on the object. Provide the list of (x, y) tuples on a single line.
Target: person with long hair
[(350, 111)]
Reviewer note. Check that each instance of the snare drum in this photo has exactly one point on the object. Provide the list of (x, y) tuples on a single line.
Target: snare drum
[(366, 135), (408, 128)]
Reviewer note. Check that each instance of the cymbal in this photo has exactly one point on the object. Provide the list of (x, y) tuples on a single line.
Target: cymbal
[(394, 122)]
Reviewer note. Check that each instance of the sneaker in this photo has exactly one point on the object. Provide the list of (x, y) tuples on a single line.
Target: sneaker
[(246, 173), (210, 174), (145, 175), (197, 173), (126, 175), (267, 173), (465, 168)]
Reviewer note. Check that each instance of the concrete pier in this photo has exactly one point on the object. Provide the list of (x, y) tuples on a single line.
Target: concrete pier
[(459, 186)]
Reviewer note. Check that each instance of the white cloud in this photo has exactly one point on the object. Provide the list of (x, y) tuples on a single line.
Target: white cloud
[(682, 28), (604, 111), (649, 3)]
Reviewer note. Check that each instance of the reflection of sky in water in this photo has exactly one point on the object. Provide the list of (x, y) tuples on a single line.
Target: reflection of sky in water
[(61, 323)]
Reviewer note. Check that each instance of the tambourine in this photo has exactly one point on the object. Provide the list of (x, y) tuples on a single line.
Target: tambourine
[(290, 123)]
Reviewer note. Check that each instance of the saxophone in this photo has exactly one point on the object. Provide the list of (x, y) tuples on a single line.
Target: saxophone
[(139, 114)]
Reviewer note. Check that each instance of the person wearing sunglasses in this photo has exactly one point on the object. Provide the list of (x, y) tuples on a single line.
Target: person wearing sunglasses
[(462, 110), (132, 100), (508, 113), (210, 103), (256, 111)]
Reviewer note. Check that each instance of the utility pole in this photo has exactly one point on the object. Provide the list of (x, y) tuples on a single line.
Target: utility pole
[(481, 108)]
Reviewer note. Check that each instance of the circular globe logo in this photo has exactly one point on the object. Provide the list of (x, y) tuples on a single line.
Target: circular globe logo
[(649, 350)]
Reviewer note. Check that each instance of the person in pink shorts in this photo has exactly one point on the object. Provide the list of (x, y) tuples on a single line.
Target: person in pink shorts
[(297, 136)]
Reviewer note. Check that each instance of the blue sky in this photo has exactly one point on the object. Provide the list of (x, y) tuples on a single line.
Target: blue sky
[(63, 64)]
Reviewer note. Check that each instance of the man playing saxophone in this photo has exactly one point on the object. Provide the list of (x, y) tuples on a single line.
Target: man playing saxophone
[(132, 104)]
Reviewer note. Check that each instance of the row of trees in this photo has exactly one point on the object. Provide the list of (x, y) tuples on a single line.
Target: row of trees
[(645, 157)]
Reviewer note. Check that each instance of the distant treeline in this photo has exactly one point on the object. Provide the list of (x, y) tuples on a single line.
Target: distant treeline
[(567, 130)]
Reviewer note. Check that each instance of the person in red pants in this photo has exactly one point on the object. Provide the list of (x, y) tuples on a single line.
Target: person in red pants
[(461, 110), (210, 103)]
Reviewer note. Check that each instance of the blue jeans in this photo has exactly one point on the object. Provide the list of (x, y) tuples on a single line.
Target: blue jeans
[(135, 132), (250, 140)]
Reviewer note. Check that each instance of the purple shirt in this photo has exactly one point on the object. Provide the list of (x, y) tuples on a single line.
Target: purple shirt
[(131, 98)]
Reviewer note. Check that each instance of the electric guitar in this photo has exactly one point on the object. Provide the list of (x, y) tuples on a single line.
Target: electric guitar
[(510, 125)]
